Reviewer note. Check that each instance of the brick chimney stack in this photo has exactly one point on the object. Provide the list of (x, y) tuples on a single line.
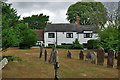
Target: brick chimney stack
[(77, 17)]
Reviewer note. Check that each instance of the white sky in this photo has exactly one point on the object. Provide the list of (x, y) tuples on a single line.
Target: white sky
[(55, 9)]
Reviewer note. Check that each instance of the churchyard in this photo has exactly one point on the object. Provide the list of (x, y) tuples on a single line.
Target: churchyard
[(31, 66)]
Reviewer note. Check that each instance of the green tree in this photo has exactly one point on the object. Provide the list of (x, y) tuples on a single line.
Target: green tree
[(88, 12), (109, 37), (9, 22), (36, 21)]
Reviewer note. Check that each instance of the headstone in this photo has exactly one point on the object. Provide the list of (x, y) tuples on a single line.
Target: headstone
[(45, 55), (100, 56), (81, 55), (3, 63), (51, 59), (88, 56), (56, 65), (69, 54), (111, 57), (93, 57), (118, 60), (41, 51)]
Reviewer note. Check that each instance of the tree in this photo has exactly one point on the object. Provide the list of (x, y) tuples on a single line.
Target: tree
[(109, 37), (9, 21), (89, 13), (36, 21)]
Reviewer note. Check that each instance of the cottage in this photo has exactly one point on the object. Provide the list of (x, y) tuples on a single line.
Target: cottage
[(67, 33)]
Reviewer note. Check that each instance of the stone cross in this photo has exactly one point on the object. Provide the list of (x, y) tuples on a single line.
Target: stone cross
[(118, 60), (41, 51), (81, 55), (45, 55), (111, 57), (100, 56)]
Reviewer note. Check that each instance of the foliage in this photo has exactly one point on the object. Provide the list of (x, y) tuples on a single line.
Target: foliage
[(36, 21), (93, 44), (13, 32), (9, 21), (12, 58), (61, 46), (109, 37), (89, 13), (29, 38), (77, 45)]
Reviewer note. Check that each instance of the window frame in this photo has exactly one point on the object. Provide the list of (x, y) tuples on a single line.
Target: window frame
[(90, 35), (53, 35), (69, 37)]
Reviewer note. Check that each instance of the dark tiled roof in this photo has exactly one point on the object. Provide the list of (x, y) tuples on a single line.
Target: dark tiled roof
[(60, 28), (40, 34), (69, 28)]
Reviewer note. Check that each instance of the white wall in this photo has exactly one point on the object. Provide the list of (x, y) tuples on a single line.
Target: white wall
[(61, 38), (84, 40)]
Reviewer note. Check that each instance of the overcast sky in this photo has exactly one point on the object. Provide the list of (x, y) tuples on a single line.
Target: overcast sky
[(56, 10)]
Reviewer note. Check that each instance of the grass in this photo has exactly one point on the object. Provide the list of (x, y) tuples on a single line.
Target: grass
[(33, 67)]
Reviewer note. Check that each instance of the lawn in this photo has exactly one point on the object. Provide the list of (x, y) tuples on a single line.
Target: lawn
[(33, 67)]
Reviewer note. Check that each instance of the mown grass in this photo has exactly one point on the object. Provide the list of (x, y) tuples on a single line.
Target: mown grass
[(32, 66)]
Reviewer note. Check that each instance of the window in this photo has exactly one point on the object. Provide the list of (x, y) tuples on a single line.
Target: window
[(69, 35), (87, 35), (51, 35)]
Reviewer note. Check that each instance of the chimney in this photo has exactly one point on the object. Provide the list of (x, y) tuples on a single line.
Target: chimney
[(77, 19)]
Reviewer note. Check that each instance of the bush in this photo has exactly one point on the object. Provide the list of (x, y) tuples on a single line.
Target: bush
[(77, 45), (93, 44), (29, 39)]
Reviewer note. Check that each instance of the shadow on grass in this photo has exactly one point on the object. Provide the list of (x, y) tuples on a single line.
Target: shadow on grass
[(12, 58)]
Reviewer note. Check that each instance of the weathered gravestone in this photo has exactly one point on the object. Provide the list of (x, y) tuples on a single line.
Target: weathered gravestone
[(52, 54), (118, 60), (91, 56), (88, 56), (56, 65), (111, 57), (3, 63), (100, 56), (45, 55), (69, 54), (81, 55), (41, 51)]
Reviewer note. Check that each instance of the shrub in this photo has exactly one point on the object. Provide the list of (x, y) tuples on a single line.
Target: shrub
[(29, 39), (77, 45), (93, 44)]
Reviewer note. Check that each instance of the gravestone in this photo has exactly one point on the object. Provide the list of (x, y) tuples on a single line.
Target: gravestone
[(41, 51), (88, 56), (93, 57), (56, 65), (45, 55), (52, 54), (111, 57), (118, 60), (3, 63), (100, 56), (81, 55), (69, 54)]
